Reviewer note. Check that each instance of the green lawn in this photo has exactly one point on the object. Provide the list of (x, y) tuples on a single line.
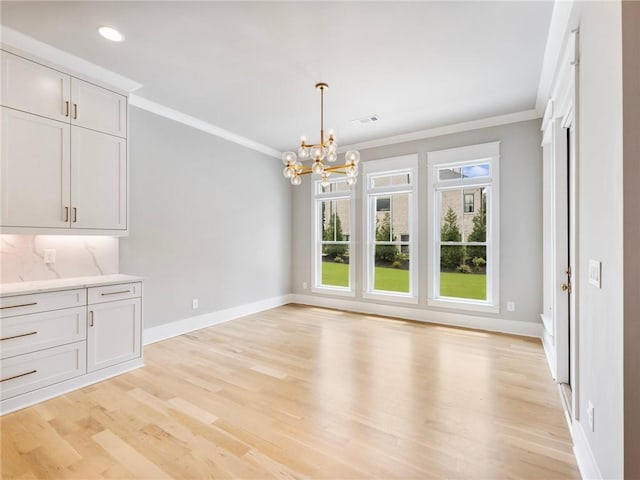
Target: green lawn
[(458, 285), (463, 285)]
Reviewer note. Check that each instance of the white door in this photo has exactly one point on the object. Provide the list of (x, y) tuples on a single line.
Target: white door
[(98, 180), (98, 108), (34, 175), (113, 333), (34, 88)]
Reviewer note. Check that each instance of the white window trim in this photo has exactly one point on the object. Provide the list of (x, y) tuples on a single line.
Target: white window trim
[(409, 164), (481, 153), (316, 273)]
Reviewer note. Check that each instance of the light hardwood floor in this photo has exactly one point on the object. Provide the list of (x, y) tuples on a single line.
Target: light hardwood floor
[(301, 392)]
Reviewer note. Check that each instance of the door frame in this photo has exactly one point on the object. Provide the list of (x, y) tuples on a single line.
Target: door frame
[(562, 113)]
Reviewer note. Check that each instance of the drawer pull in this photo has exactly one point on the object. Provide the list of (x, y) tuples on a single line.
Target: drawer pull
[(75, 111), (115, 293), (91, 318), (66, 214), (21, 305), (75, 215), (66, 108), (18, 336), (18, 376)]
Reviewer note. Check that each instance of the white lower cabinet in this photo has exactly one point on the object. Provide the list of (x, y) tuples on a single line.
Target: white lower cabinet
[(31, 371), (55, 341), (113, 334)]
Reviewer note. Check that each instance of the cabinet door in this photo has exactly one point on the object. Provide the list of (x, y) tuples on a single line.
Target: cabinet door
[(34, 88), (98, 180), (114, 333), (34, 171), (98, 108)]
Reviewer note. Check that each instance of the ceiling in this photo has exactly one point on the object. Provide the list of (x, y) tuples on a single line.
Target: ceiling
[(251, 67)]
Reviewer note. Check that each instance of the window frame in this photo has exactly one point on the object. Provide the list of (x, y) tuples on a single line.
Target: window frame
[(486, 153), (317, 197), (406, 164)]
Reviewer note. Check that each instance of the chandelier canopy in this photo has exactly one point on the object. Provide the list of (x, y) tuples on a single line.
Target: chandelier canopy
[(325, 150)]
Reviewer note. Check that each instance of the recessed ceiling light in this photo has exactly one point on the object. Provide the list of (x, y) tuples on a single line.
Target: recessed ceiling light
[(110, 33)]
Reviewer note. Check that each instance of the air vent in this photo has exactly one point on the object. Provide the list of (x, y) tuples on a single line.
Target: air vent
[(366, 120)]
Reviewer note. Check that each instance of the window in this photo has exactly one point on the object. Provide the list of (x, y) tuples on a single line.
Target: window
[(390, 257), (333, 214), (463, 252), (469, 200)]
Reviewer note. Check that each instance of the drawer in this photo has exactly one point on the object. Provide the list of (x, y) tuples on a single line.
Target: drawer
[(37, 331), (109, 293), (41, 302), (24, 373)]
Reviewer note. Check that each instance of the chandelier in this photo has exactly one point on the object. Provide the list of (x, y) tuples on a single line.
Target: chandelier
[(325, 150)]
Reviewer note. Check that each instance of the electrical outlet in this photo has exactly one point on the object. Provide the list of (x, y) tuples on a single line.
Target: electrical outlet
[(590, 415), (49, 255), (194, 303), (304, 285), (511, 306)]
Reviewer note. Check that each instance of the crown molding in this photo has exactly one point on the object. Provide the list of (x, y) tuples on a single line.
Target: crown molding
[(19, 43), (447, 130), (194, 122)]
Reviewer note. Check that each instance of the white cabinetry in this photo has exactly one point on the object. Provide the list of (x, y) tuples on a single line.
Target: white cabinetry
[(63, 162), (53, 342), (114, 334)]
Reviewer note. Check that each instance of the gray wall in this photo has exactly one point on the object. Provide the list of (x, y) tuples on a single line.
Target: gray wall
[(209, 220), (520, 212), (631, 119), (600, 232)]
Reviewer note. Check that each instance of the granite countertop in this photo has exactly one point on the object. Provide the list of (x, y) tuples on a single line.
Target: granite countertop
[(21, 288)]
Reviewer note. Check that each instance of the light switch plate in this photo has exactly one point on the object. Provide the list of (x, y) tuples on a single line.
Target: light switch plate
[(595, 268), (49, 255)]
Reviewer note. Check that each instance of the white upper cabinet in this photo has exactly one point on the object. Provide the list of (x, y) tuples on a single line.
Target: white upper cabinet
[(34, 171), (34, 88), (63, 165), (98, 180), (98, 108)]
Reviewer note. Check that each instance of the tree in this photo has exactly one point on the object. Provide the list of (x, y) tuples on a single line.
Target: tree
[(386, 253), (451, 256), (333, 232), (479, 232)]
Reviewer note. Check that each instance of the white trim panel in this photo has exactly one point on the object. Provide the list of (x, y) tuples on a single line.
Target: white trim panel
[(527, 329), (584, 455), (186, 325), (198, 124)]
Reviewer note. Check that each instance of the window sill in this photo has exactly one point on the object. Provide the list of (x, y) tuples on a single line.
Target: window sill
[(390, 297), (455, 304), (343, 292)]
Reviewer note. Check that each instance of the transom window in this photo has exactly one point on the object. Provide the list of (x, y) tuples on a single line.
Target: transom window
[(464, 254), (390, 211)]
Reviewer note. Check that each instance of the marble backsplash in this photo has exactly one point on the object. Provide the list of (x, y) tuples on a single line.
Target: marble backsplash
[(22, 257)]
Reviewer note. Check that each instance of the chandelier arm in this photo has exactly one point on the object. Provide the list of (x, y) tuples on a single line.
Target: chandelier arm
[(337, 168)]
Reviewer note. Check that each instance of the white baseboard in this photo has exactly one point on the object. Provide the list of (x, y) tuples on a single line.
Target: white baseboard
[(584, 455), (186, 325), (550, 352), (529, 329)]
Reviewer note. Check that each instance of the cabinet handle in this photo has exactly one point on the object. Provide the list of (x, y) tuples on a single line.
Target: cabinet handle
[(91, 318), (115, 293), (75, 215), (18, 376), (21, 305), (75, 111), (66, 108), (18, 336), (66, 214)]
